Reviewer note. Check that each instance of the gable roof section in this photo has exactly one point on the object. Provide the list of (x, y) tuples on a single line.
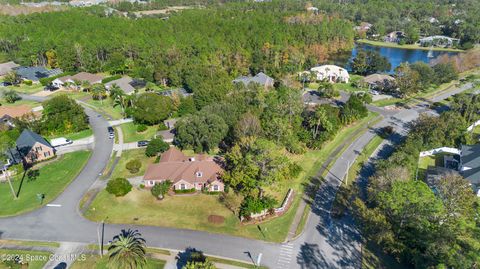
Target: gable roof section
[(175, 166), (84, 76), (7, 67), (124, 83), (260, 78), (28, 139), (377, 78), (14, 111), (470, 159)]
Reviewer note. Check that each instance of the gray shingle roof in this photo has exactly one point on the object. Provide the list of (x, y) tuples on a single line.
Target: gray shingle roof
[(27, 140), (470, 157), (7, 67), (260, 78), (35, 73), (125, 83)]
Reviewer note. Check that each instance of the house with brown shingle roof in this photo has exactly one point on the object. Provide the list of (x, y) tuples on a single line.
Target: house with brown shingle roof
[(81, 77), (200, 172)]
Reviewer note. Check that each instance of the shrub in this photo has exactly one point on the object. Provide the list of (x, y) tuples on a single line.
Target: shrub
[(156, 146), (119, 186), (112, 78), (27, 82), (185, 191), (46, 81), (252, 205), (33, 174), (11, 96), (133, 166), (141, 128), (162, 127)]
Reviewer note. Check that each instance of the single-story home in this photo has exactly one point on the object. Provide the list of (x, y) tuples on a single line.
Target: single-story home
[(124, 83), (181, 92), (200, 172), (81, 77), (35, 73), (395, 36), (378, 81), (7, 113), (438, 41), (7, 67), (331, 73), (261, 78)]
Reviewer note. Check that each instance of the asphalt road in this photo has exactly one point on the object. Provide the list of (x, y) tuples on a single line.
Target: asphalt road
[(325, 243)]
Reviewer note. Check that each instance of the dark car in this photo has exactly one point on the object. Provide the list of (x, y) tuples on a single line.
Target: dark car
[(142, 143), (5, 84), (50, 87), (110, 129)]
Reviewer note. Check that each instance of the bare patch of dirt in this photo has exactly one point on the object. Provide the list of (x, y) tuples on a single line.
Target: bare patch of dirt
[(215, 219)]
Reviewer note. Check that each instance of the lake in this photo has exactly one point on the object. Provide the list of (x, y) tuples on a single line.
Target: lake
[(396, 56)]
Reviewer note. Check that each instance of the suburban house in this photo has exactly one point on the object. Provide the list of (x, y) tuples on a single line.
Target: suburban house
[(464, 161), (8, 113), (7, 67), (200, 172), (438, 41), (363, 27), (35, 73), (395, 36), (378, 82), (261, 79), (33, 148), (80, 77), (169, 134), (124, 83), (181, 92), (331, 73)]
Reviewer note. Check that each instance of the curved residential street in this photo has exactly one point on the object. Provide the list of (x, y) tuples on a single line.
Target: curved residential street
[(325, 243)]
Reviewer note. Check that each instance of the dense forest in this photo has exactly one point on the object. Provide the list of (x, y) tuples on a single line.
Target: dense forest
[(456, 18), (232, 39)]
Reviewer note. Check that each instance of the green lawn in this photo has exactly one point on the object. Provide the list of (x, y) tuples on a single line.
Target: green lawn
[(74, 136), (425, 162), (130, 133), (362, 158), (106, 107), (128, 155), (38, 259), (406, 46), (95, 262), (22, 88), (31, 104), (54, 177), (30, 243), (191, 212)]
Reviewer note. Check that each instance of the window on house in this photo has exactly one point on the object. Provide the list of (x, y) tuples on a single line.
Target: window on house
[(215, 187), (151, 182), (182, 186)]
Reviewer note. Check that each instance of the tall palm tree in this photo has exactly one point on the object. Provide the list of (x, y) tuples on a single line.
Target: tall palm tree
[(99, 92), (5, 146), (127, 250)]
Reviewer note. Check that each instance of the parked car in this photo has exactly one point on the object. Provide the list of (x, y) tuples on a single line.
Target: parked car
[(61, 141), (50, 87), (111, 132), (142, 143), (4, 84)]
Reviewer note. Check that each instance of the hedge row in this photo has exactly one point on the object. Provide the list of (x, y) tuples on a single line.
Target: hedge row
[(46, 81), (112, 78), (185, 191)]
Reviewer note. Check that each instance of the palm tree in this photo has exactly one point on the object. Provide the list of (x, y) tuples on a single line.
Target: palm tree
[(127, 250), (99, 92), (5, 146)]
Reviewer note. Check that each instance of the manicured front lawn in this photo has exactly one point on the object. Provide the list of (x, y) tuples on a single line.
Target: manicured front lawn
[(106, 107), (35, 259), (31, 104), (191, 212), (130, 133), (74, 136), (128, 155), (22, 88), (95, 262), (54, 177)]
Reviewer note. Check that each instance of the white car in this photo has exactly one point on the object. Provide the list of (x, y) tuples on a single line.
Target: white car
[(61, 141)]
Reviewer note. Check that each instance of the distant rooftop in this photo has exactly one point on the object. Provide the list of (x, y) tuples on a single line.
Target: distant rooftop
[(260, 78), (35, 73)]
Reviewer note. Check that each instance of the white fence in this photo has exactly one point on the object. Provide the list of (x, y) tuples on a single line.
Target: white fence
[(439, 150)]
